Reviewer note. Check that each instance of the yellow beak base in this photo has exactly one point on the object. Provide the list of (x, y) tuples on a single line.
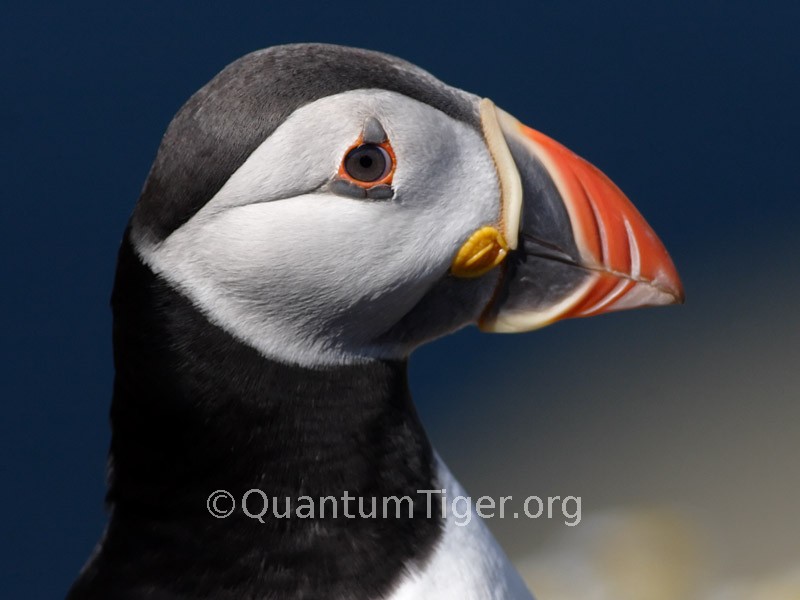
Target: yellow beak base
[(482, 252)]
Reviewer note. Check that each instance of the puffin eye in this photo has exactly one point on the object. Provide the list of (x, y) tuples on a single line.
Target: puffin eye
[(367, 163)]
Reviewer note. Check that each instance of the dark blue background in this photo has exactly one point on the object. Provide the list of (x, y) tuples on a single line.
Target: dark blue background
[(692, 108)]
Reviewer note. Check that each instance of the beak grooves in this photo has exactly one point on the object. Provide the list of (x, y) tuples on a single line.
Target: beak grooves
[(612, 237), (625, 263)]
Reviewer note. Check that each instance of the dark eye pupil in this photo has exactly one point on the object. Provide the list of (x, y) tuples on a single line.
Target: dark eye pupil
[(367, 163)]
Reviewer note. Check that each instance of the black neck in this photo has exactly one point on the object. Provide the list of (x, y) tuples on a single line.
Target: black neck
[(195, 410)]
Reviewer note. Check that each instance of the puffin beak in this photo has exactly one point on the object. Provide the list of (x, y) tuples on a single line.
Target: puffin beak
[(575, 245)]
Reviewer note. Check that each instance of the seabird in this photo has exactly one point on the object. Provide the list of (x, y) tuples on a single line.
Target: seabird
[(315, 213)]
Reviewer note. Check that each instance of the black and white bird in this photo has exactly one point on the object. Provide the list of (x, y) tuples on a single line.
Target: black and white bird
[(313, 215)]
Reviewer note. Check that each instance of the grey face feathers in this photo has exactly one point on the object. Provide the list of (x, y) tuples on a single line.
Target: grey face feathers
[(253, 210), (307, 269), (221, 125)]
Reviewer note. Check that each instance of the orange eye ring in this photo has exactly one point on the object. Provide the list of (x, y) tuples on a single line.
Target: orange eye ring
[(358, 160)]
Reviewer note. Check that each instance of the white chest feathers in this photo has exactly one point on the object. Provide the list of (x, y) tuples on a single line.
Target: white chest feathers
[(467, 563)]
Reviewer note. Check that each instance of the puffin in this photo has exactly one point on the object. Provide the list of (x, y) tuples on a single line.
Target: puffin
[(314, 213)]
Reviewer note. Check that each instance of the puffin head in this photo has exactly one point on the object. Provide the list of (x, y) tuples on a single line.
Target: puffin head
[(329, 205)]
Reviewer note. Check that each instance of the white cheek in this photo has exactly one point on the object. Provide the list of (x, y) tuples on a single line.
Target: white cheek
[(307, 269), (312, 277)]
